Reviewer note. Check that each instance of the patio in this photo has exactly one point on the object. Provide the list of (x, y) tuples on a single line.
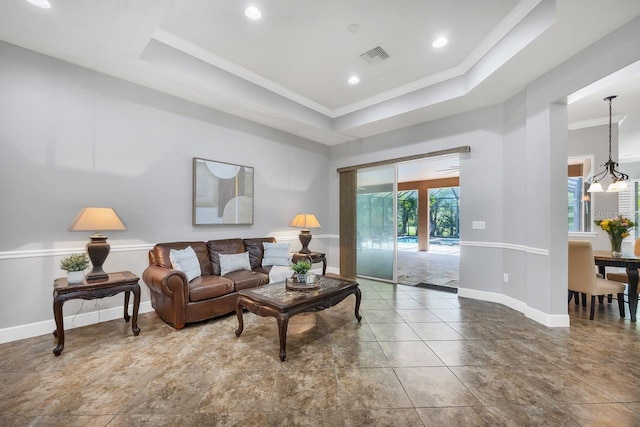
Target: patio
[(438, 266)]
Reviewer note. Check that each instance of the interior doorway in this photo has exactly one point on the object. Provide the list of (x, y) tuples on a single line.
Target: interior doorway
[(428, 238)]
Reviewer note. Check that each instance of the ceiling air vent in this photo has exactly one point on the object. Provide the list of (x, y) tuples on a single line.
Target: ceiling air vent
[(375, 55)]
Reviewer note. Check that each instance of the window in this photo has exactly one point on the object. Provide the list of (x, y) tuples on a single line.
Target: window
[(579, 200), (629, 205), (579, 206)]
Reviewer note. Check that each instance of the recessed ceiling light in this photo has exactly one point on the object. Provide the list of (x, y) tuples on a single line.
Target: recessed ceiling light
[(253, 13), (439, 42), (354, 80), (354, 28), (42, 4)]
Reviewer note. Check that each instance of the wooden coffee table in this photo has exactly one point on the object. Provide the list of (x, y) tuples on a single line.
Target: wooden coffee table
[(276, 301)]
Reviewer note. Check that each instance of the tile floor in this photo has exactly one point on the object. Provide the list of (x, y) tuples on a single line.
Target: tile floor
[(419, 357)]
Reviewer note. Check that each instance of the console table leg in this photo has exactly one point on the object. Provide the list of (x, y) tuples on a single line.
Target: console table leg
[(126, 306), (59, 332), (283, 323), (136, 307), (358, 299), (240, 320)]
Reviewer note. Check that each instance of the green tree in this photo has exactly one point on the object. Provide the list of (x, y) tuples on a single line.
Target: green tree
[(407, 210), (444, 217)]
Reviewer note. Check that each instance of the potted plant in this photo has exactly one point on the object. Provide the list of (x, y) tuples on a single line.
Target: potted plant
[(74, 265), (301, 267)]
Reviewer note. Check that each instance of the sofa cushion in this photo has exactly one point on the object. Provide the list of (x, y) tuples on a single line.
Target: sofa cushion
[(207, 287), (185, 260), (223, 246), (233, 262), (162, 258), (244, 279), (256, 250), (276, 254)]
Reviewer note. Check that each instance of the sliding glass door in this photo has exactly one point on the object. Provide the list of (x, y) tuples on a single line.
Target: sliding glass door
[(376, 223)]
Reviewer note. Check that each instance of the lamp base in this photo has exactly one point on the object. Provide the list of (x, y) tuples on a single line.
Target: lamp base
[(305, 238), (98, 250), (97, 276)]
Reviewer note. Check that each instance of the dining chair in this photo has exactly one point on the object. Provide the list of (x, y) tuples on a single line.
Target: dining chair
[(583, 277)]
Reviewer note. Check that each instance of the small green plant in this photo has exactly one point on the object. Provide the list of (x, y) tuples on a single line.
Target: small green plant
[(301, 267), (75, 262)]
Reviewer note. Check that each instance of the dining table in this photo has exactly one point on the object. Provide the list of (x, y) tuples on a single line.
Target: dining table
[(628, 261)]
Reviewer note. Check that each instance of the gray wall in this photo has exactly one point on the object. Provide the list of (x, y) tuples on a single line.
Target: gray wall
[(72, 137)]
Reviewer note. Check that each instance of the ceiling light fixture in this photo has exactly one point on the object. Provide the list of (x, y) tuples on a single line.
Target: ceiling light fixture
[(354, 80), (439, 42), (42, 4), (253, 13), (618, 179), (354, 28)]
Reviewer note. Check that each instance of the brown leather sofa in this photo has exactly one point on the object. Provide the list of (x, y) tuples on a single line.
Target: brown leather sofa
[(178, 301)]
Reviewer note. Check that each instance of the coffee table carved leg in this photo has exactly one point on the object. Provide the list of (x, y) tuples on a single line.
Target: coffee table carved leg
[(358, 299), (59, 332), (283, 323), (136, 306), (240, 320), (126, 306)]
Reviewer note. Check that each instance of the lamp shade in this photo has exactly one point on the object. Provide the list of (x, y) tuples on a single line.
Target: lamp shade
[(97, 219), (596, 187), (305, 221), (617, 186)]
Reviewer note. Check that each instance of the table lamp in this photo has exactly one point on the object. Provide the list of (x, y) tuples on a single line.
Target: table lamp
[(93, 219), (305, 222)]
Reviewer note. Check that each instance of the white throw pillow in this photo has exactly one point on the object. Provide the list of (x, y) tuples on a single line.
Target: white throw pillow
[(185, 260), (279, 273), (276, 254), (234, 262)]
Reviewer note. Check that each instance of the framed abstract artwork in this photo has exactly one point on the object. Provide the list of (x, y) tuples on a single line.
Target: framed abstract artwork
[(222, 193)]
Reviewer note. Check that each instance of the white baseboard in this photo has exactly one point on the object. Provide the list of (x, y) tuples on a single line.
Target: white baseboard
[(45, 327), (549, 320)]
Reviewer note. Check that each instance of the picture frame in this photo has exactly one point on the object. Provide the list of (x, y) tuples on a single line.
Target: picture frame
[(222, 193)]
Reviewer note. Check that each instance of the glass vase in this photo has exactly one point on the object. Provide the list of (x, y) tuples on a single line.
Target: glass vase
[(616, 245)]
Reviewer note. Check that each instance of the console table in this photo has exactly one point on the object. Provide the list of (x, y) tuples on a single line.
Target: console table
[(123, 281)]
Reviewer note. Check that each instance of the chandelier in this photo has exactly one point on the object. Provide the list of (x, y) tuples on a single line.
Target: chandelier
[(618, 179)]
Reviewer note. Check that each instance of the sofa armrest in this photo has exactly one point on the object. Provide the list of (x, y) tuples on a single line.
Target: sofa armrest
[(172, 283)]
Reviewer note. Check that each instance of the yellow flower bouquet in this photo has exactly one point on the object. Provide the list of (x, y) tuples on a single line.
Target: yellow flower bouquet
[(617, 228)]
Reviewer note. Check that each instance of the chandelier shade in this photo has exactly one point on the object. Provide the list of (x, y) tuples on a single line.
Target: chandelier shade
[(618, 179)]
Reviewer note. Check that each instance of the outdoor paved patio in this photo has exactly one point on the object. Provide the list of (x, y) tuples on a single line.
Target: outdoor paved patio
[(438, 266)]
